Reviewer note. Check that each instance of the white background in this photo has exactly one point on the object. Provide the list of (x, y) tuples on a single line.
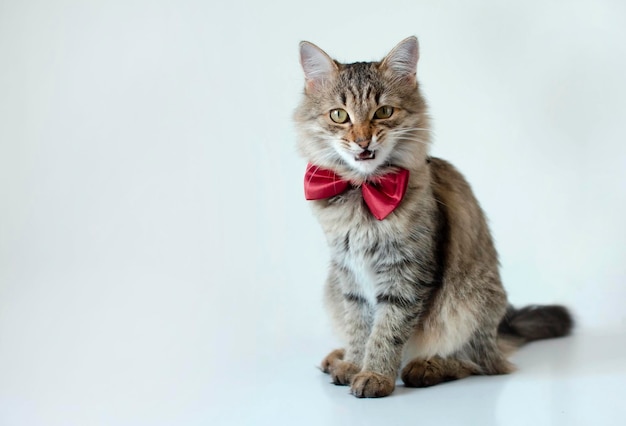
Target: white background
[(158, 263)]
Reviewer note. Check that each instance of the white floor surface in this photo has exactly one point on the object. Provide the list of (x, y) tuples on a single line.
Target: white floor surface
[(579, 380)]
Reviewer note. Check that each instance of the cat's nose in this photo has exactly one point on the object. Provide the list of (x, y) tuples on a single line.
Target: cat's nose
[(363, 142)]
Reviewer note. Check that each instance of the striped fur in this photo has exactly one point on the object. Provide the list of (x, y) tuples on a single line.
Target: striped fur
[(420, 289)]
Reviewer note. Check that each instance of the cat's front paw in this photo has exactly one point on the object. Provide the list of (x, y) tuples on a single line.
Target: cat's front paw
[(343, 372), (329, 361), (368, 384)]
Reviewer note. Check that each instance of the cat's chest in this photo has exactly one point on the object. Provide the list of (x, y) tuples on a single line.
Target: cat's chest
[(359, 242), (364, 275), (358, 251)]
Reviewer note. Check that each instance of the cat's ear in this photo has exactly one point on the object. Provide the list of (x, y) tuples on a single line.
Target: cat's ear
[(402, 60), (317, 65)]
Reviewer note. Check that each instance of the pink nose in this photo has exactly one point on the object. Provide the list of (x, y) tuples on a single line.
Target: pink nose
[(363, 143)]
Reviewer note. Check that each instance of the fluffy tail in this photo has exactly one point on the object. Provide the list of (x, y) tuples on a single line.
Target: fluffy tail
[(534, 322)]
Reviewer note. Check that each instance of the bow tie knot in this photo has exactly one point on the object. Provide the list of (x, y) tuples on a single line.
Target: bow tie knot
[(381, 195)]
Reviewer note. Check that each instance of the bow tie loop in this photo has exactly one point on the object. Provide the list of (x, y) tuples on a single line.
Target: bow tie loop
[(382, 195)]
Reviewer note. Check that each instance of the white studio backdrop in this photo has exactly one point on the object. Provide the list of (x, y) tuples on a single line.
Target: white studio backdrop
[(153, 229)]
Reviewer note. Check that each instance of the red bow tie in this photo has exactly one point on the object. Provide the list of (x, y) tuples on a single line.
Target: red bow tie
[(381, 195)]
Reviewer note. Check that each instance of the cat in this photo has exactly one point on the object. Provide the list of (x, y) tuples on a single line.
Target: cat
[(413, 285)]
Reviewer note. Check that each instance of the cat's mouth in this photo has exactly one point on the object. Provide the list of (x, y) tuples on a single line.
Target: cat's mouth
[(365, 155)]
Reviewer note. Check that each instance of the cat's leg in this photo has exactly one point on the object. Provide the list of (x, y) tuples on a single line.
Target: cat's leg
[(480, 356), (358, 325), (353, 318), (396, 316)]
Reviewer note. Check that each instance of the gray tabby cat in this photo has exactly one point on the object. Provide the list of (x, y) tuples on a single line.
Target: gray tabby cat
[(419, 289)]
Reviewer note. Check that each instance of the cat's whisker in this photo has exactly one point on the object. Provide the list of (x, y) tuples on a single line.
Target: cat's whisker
[(409, 136), (410, 129), (404, 138)]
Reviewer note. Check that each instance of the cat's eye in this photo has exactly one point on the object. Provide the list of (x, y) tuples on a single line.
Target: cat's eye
[(383, 112), (339, 115)]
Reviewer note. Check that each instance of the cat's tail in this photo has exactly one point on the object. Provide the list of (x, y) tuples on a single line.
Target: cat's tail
[(535, 322)]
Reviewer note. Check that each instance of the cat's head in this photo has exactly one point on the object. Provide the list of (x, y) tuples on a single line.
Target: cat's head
[(361, 119)]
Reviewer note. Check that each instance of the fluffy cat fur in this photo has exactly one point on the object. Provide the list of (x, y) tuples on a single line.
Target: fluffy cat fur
[(420, 289)]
